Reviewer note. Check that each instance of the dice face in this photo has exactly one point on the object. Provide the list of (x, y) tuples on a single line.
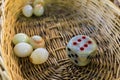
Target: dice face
[(79, 48), (73, 57)]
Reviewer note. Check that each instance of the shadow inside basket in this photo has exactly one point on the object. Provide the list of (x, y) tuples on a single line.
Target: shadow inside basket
[(57, 28)]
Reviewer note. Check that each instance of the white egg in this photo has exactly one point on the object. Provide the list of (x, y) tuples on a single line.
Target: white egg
[(23, 49), (39, 56), (38, 10), (27, 10), (37, 42), (20, 37), (38, 2)]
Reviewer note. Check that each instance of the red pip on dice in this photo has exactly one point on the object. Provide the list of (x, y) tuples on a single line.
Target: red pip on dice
[(79, 48)]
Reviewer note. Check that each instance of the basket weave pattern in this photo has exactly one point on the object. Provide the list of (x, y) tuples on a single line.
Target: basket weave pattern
[(98, 19)]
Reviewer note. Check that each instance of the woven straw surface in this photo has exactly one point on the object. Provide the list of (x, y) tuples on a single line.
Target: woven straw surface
[(3, 72), (98, 19)]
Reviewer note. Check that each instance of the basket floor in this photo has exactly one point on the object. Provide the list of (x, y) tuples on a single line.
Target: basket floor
[(57, 32)]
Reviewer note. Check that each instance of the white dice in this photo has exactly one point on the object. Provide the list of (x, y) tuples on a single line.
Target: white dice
[(79, 48)]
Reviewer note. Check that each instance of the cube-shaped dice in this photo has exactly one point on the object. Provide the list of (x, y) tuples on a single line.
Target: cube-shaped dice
[(79, 48)]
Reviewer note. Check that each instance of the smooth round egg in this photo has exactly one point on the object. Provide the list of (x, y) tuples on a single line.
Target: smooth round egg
[(39, 56), (38, 2), (38, 10), (27, 11), (20, 37), (23, 49), (37, 42)]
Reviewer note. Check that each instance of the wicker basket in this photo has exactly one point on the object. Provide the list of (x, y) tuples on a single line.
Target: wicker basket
[(98, 19)]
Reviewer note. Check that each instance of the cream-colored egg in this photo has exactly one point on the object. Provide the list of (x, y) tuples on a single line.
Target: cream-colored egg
[(20, 37), (38, 10), (38, 2), (27, 10), (39, 56), (37, 42), (23, 49)]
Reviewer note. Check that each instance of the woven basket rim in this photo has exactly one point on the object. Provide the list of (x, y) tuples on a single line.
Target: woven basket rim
[(10, 26)]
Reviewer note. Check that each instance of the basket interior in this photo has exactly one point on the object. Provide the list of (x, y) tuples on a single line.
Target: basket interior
[(57, 26)]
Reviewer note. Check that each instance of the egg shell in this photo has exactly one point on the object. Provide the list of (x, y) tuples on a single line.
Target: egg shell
[(37, 42), (38, 2), (39, 56), (20, 37), (23, 49), (38, 10), (27, 10)]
